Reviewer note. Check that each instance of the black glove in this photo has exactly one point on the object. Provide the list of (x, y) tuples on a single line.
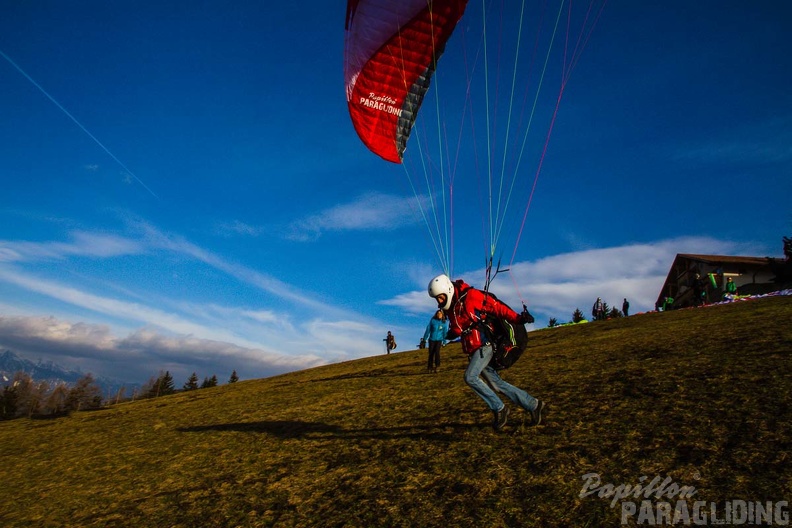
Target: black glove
[(526, 317)]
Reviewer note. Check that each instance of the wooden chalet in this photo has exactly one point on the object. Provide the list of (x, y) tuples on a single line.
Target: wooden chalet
[(752, 275)]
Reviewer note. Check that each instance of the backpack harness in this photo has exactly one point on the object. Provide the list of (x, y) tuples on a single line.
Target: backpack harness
[(508, 340)]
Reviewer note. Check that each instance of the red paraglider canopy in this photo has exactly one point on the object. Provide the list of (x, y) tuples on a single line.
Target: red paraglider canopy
[(391, 52)]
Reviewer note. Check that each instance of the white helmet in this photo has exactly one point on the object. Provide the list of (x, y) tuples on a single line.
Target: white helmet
[(442, 284)]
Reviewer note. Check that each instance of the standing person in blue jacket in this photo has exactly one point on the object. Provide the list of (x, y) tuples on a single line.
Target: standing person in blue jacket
[(436, 333)]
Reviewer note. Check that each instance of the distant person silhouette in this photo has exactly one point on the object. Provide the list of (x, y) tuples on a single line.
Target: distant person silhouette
[(598, 310), (390, 342), (699, 291)]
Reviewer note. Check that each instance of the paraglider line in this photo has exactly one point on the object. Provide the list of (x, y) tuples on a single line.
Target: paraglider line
[(530, 121), (74, 119), (536, 176), (565, 79)]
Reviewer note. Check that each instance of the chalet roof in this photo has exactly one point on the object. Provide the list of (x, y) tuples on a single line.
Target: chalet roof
[(713, 259)]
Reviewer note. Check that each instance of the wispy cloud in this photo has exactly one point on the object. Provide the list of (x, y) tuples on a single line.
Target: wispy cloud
[(106, 306), (369, 212), (237, 228), (82, 244), (157, 239)]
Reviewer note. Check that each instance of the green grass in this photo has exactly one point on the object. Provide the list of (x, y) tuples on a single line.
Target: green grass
[(702, 396)]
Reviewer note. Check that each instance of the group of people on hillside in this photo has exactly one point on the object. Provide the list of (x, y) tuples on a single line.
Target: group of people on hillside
[(599, 311)]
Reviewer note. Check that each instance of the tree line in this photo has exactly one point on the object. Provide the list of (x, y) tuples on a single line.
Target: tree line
[(164, 384), (577, 315), (25, 397)]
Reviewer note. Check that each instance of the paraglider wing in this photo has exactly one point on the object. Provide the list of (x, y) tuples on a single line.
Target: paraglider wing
[(391, 52)]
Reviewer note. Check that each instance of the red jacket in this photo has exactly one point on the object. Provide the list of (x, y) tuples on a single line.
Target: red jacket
[(468, 308)]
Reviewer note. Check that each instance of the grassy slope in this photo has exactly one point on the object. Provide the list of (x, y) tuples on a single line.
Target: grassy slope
[(700, 395)]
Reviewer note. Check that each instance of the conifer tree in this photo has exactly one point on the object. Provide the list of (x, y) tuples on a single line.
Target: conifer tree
[(234, 378), (160, 386), (192, 382), (577, 316), (167, 386)]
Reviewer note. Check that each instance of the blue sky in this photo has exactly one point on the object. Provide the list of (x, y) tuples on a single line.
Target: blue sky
[(183, 189)]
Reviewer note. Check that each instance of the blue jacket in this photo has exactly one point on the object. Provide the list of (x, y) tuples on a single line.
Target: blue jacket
[(436, 330)]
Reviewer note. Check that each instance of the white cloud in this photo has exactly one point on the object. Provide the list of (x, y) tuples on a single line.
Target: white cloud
[(345, 339), (369, 212), (236, 228), (83, 244), (413, 302), (157, 239), (103, 305), (39, 330), (264, 316)]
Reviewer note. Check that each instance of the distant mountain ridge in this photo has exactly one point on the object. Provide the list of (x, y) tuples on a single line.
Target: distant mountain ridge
[(52, 373)]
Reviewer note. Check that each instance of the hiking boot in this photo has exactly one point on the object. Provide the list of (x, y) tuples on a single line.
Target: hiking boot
[(500, 418), (536, 414)]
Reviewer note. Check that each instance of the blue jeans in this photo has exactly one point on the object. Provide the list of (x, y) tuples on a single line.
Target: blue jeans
[(491, 384)]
